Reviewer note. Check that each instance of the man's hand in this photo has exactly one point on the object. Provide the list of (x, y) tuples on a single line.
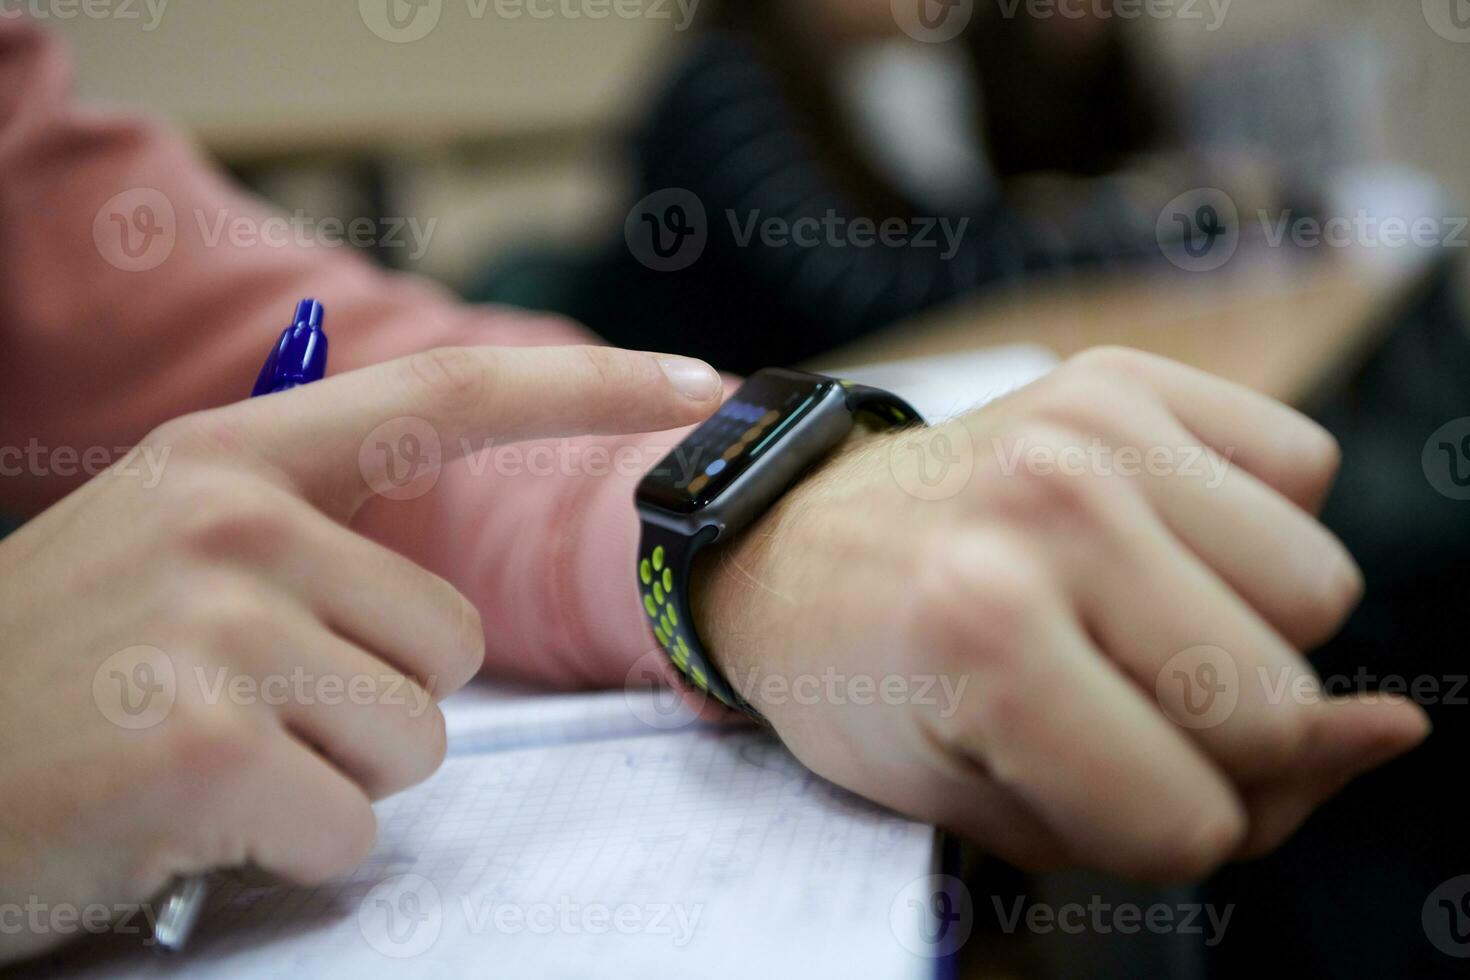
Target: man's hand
[(203, 667), (1068, 625)]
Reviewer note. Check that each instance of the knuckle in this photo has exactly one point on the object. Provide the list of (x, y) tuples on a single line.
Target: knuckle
[(980, 599), (613, 368), (452, 378), (1321, 454), (433, 747), (359, 834), (199, 434), (463, 656), (421, 748), (206, 743), (229, 518), (1085, 401), (1193, 847), (354, 832), (1321, 607), (1059, 490), (472, 643), (233, 618), (1282, 736), (1109, 361)]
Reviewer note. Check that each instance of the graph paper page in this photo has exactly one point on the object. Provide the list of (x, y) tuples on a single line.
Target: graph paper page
[(702, 852)]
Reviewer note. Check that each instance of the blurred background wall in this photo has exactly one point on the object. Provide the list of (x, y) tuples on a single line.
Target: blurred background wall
[(506, 127)]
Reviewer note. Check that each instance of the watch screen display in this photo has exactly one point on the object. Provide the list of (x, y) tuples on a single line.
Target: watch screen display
[(764, 410)]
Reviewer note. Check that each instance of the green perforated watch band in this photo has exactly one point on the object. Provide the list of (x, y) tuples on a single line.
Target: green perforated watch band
[(666, 559)]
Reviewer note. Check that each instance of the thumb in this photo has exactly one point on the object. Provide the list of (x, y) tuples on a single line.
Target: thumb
[(390, 427)]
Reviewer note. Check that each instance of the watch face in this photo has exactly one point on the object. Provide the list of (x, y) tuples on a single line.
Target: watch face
[(766, 410)]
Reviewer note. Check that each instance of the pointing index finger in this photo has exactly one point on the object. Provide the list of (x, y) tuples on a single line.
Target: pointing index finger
[(390, 427)]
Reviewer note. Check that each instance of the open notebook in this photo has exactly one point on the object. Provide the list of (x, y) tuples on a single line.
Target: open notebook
[(604, 835), (566, 836)]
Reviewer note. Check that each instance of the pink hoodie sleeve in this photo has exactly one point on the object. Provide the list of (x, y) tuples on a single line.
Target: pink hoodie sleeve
[(123, 304)]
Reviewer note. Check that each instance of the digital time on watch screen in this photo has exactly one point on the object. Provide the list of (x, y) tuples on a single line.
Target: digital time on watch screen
[(719, 451)]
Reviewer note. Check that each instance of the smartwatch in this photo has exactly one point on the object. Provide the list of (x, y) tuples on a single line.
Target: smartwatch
[(727, 473)]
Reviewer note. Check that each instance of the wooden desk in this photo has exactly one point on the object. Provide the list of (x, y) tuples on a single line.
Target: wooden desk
[(1285, 327)]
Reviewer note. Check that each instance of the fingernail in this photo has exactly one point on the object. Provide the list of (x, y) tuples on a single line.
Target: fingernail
[(695, 379)]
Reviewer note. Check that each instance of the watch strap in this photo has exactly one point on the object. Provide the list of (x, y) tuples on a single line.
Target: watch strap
[(666, 563)]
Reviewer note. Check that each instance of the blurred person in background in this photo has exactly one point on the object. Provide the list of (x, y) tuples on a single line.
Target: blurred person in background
[(992, 159)]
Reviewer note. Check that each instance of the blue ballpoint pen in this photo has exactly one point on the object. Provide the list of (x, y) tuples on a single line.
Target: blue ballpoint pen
[(299, 357)]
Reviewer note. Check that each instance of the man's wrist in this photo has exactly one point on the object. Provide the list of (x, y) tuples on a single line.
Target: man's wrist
[(729, 587)]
